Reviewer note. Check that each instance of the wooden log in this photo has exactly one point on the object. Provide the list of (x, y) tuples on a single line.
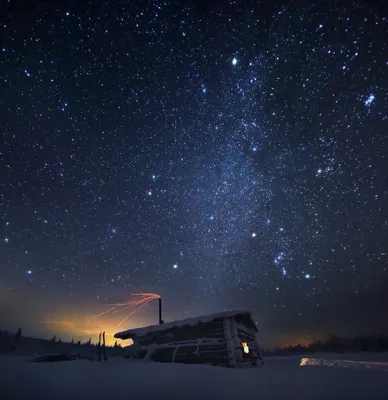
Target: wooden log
[(229, 341), (214, 351), (245, 338), (185, 332), (168, 339)]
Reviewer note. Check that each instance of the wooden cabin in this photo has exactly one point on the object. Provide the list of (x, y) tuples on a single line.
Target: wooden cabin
[(227, 339)]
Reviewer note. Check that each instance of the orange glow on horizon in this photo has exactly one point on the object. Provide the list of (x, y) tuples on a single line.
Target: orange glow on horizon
[(69, 329), (75, 328), (295, 339), (82, 327)]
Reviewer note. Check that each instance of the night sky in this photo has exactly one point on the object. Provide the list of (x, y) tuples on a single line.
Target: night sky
[(223, 154)]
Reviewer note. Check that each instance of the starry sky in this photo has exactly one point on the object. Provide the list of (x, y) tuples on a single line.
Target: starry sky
[(223, 154)]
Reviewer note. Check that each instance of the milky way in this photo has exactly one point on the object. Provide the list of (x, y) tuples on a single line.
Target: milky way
[(233, 154)]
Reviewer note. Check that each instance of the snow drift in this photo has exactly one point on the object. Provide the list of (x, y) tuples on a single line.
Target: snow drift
[(118, 378)]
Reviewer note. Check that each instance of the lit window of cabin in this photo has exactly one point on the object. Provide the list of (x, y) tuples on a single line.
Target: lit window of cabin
[(245, 347)]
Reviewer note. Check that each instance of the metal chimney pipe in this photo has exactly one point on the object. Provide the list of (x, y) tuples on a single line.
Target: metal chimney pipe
[(160, 311)]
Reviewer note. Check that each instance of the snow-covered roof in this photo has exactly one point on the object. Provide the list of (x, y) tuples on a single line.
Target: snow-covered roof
[(180, 323)]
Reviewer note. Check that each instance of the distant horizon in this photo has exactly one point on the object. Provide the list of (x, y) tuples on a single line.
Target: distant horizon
[(67, 325), (128, 342)]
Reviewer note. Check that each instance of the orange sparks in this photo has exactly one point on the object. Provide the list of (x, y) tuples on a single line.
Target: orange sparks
[(140, 300)]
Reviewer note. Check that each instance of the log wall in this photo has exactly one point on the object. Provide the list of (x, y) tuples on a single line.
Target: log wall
[(211, 330), (217, 342)]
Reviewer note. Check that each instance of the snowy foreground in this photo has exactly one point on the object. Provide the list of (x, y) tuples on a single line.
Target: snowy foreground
[(327, 376)]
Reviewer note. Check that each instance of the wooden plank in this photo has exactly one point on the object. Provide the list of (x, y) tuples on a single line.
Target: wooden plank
[(212, 329), (213, 351), (244, 335), (215, 357), (179, 339)]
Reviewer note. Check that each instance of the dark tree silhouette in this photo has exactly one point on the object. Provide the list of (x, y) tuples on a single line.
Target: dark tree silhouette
[(18, 334)]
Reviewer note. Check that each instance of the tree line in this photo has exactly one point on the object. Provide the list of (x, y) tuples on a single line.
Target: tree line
[(335, 343), (5, 334)]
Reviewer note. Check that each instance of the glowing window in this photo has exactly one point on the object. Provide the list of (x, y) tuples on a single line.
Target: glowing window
[(245, 347)]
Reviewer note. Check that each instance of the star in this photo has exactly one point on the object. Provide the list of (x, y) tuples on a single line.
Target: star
[(368, 102), (234, 61), (175, 266)]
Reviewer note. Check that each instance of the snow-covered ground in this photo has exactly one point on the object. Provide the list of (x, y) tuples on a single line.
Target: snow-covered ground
[(280, 378)]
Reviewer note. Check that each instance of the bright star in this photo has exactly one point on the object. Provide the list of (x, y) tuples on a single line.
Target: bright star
[(6, 240), (279, 258), (234, 61), (307, 276), (369, 100), (253, 234), (175, 266), (29, 272)]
